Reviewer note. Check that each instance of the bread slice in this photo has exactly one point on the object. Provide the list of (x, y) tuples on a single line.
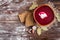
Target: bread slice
[(29, 20), (22, 16)]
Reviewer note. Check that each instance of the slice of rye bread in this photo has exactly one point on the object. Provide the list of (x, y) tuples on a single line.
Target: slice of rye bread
[(22, 16), (29, 20)]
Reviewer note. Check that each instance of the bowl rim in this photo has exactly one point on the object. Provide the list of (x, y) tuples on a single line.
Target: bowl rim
[(48, 23)]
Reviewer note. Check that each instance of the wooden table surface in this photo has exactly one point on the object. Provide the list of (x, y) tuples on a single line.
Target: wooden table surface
[(9, 21)]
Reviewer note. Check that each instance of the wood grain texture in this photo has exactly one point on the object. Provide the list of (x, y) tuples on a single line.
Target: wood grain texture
[(9, 22)]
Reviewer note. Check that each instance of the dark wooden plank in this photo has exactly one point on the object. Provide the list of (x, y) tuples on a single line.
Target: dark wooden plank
[(7, 16), (9, 26)]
